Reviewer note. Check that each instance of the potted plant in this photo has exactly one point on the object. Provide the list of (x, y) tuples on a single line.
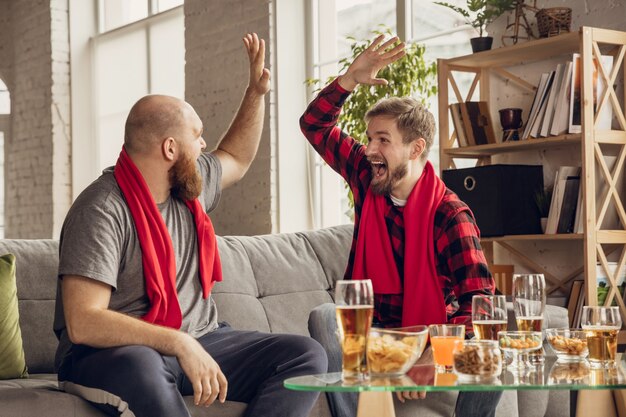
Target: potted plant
[(412, 75), (543, 199), (478, 14)]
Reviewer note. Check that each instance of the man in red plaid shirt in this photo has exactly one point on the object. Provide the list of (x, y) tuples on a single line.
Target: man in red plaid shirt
[(401, 208)]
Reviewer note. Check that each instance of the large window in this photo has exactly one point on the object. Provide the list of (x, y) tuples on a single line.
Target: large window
[(146, 56), (121, 50), (331, 23)]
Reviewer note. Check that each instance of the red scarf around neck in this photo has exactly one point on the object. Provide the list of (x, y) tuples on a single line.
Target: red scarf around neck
[(423, 301), (158, 259)]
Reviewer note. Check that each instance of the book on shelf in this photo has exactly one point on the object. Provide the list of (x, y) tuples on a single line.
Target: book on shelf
[(544, 130), (543, 104), (604, 118), (567, 215), (467, 125), (457, 122), (580, 302), (579, 219), (572, 301), (534, 107), (561, 110), (558, 193), (479, 121)]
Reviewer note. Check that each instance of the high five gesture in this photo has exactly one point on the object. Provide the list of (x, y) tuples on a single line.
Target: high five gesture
[(365, 67)]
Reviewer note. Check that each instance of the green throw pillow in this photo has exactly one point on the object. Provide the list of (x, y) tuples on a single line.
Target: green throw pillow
[(12, 362)]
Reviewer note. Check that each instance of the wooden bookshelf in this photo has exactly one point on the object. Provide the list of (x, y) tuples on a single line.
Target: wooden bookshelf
[(591, 144)]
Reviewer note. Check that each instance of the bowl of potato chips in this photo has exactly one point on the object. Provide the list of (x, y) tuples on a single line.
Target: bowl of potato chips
[(392, 352)]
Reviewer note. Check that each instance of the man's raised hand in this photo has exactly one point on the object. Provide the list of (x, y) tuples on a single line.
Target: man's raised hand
[(365, 67), (259, 75)]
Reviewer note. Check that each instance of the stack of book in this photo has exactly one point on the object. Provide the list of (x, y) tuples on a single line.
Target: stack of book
[(556, 107), (472, 123), (565, 207)]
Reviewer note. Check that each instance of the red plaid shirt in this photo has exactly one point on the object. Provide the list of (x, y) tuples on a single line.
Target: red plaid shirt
[(460, 262)]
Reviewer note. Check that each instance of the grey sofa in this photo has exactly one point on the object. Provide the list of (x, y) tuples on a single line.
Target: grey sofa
[(270, 284)]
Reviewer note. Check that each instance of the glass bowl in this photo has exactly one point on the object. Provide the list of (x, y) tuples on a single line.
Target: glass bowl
[(517, 342), (392, 352), (477, 361), (570, 345)]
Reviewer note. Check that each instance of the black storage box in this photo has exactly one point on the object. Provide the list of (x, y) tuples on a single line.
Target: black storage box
[(502, 197)]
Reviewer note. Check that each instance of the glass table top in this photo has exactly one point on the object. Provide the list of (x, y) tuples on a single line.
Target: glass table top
[(552, 374)]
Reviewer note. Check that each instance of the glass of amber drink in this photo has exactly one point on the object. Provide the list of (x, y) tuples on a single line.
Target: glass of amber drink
[(488, 315), (442, 341), (355, 308), (601, 325), (529, 303)]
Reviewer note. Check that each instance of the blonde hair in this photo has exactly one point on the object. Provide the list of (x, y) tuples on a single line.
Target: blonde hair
[(413, 119)]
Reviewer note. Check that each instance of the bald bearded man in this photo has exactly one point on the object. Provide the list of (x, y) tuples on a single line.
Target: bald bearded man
[(138, 260)]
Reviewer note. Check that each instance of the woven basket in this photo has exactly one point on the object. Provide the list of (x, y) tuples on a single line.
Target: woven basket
[(553, 21)]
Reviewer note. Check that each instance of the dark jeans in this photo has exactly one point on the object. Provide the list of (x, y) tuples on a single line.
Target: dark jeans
[(152, 385), (323, 327)]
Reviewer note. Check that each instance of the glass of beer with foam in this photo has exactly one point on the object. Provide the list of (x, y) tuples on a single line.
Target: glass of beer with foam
[(529, 303), (601, 325), (488, 315), (355, 308)]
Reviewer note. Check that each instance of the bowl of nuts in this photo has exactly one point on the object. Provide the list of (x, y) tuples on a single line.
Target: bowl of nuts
[(477, 361), (392, 352), (570, 345), (518, 342)]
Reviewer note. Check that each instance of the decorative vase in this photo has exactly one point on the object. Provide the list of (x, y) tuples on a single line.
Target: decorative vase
[(481, 44)]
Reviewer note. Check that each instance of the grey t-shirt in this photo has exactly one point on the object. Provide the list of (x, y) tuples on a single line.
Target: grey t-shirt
[(99, 241)]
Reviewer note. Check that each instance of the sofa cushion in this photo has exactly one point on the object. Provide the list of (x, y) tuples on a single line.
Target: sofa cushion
[(37, 265), (12, 362)]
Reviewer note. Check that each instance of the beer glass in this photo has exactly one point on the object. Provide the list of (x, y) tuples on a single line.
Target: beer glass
[(355, 308), (601, 324), (488, 315), (529, 303)]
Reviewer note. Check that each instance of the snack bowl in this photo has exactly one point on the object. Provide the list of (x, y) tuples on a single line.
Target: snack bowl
[(477, 361), (570, 345), (517, 342), (393, 351)]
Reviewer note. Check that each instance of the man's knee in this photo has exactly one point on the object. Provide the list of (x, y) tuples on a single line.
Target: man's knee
[(322, 319), (311, 354)]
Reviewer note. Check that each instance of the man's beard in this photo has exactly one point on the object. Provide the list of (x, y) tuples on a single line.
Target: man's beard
[(185, 179), (384, 187)]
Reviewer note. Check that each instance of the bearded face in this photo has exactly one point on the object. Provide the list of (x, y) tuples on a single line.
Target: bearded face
[(385, 177), (185, 178)]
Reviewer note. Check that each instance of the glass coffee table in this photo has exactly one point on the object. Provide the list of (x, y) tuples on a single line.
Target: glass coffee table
[(376, 398)]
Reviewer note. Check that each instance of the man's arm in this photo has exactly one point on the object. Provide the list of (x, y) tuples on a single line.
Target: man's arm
[(319, 122), (90, 322), (236, 150)]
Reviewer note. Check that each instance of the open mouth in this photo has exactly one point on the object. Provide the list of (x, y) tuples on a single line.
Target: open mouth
[(378, 168)]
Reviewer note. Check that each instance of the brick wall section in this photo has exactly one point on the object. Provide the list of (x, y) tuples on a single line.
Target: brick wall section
[(6, 46), (216, 74), (37, 154)]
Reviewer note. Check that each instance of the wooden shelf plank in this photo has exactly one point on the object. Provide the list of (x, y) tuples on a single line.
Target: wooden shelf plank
[(611, 236), (514, 146), (522, 52), (559, 236)]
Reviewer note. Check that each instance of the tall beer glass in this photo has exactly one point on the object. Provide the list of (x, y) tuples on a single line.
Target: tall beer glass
[(355, 309), (529, 303), (488, 315), (601, 324)]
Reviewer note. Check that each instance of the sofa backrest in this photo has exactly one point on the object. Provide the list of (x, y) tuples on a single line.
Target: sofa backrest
[(271, 282)]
